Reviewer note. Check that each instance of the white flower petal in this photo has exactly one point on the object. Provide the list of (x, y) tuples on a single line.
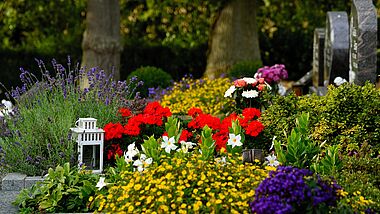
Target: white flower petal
[(230, 91), (250, 94)]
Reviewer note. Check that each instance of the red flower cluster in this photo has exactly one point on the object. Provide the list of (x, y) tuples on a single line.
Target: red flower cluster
[(254, 128), (113, 131), (153, 114), (185, 135), (194, 112), (113, 151), (200, 120), (124, 112), (248, 121)]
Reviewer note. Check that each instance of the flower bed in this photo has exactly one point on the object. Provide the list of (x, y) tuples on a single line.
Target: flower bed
[(157, 162)]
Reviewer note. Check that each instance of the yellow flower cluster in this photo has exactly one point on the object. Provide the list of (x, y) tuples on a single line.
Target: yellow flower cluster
[(358, 202), (187, 185), (205, 94)]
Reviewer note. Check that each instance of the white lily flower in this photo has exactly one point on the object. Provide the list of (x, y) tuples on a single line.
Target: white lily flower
[(168, 144), (185, 146), (101, 183), (234, 140), (230, 91), (250, 94), (272, 160), (142, 163), (132, 151)]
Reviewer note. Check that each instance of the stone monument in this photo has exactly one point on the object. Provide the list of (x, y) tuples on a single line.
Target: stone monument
[(319, 41), (336, 47), (363, 42)]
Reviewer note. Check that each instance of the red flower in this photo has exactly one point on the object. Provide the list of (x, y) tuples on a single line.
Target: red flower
[(205, 119), (153, 120), (251, 113), (185, 135), (113, 131), (154, 108), (165, 134), (113, 151), (125, 112), (220, 140), (194, 112), (131, 130), (254, 128), (227, 122), (261, 87)]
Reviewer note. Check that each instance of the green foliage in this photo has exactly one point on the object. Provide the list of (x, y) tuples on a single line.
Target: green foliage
[(50, 27), (64, 189), (360, 176), (330, 164), (39, 137), (152, 77), (173, 128), (299, 151), (151, 147), (169, 23), (348, 115), (244, 69), (207, 146)]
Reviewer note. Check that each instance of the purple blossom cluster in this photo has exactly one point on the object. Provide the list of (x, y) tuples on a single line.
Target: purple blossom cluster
[(272, 74), (293, 190), (100, 85)]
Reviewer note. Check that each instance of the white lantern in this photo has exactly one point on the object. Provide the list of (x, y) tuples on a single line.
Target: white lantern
[(90, 144)]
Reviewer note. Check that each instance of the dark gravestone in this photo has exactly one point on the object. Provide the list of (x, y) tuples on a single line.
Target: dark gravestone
[(336, 47), (318, 44), (363, 42)]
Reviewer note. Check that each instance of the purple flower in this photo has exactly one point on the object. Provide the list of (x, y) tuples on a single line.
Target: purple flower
[(272, 74), (289, 189)]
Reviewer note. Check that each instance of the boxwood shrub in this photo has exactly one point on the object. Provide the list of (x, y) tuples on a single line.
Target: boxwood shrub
[(348, 115)]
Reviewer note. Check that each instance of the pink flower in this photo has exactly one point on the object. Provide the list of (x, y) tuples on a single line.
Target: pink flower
[(240, 83)]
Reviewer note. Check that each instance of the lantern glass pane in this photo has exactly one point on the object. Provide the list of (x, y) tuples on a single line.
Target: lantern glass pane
[(91, 157)]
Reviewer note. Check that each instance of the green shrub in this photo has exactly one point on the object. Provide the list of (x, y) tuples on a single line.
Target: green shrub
[(244, 69), (348, 115), (152, 77), (64, 189), (360, 176)]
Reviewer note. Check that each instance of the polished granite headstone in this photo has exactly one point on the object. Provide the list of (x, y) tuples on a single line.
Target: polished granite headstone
[(318, 44), (336, 47), (363, 42)]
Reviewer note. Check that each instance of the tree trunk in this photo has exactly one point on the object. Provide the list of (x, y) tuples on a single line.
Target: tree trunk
[(234, 37), (101, 40)]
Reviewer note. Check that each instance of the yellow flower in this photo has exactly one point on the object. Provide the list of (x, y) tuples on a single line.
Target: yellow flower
[(137, 187)]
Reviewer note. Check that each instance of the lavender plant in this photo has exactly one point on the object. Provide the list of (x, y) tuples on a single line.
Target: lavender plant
[(47, 107), (294, 190)]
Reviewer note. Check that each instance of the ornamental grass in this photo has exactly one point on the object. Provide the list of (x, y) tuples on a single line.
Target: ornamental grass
[(205, 94), (184, 185)]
